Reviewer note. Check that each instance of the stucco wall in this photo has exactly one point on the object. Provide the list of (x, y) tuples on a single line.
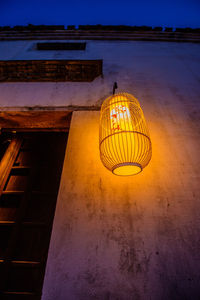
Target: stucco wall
[(146, 69), (129, 238), (124, 238)]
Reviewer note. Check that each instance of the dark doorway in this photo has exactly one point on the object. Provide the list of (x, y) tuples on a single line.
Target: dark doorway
[(30, 171)]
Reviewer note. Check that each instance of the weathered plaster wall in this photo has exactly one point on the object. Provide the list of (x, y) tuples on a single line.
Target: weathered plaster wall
[(119, 238), (129, 238), (146, 69)]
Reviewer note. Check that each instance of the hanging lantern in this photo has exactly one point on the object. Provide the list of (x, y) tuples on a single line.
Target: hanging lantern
[(124, 142)]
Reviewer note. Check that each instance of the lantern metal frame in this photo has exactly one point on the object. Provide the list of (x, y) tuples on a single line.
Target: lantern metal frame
[(124, 140)]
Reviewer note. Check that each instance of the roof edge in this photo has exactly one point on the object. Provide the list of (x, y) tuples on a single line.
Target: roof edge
[(75, 34)]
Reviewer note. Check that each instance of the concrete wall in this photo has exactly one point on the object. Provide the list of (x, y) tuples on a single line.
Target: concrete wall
[(120, 238)]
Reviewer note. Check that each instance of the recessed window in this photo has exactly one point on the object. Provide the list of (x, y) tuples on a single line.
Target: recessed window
[(61, 46)]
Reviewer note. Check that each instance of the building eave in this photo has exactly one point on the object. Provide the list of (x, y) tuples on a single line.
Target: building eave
[(12, 35)]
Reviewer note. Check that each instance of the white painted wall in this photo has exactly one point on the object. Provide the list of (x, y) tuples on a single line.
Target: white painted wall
[(150, 70), (119, 238)]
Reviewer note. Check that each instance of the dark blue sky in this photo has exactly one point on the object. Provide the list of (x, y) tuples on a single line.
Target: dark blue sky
[(177, 13)]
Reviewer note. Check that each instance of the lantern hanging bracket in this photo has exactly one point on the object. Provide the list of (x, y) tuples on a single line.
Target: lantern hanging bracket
[(115, 86)]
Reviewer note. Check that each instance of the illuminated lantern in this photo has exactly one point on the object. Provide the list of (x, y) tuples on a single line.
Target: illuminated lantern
[(124, 142)]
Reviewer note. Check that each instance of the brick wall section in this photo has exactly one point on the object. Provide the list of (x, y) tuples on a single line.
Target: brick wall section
[(49, 70)]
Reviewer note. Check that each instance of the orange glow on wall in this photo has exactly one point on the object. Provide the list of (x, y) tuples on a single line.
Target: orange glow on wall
[(124, 142)]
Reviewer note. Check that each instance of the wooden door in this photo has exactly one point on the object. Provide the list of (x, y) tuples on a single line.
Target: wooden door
[(30, 170)]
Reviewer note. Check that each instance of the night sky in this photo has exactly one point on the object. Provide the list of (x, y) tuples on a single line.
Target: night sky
[(170, 13)]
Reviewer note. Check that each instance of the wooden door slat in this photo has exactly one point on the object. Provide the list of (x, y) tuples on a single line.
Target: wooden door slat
[(19, 293), (26, 263), (8, 160), (12, 192), (2, 223), (21, 167)]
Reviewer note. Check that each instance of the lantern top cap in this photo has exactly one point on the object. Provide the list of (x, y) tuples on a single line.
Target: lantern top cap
[(119, 97)]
